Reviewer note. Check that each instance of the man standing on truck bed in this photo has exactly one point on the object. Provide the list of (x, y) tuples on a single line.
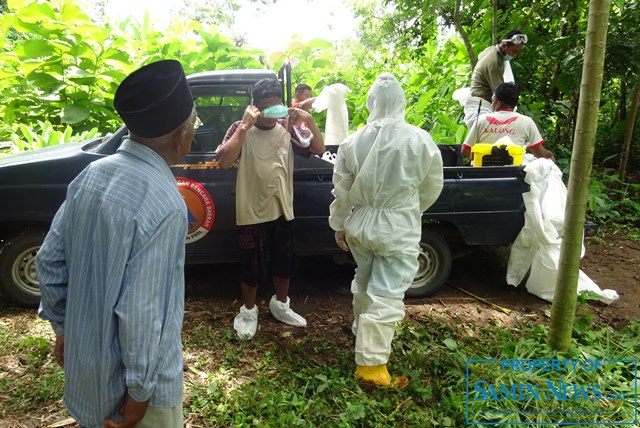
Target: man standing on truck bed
[(505, 122), (111, 268), (264, 147), (304, 98), (489, 73), (385, 175)]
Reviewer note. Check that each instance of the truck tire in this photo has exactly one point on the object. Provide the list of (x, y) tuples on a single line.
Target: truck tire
[(18, 279), (435, 266)]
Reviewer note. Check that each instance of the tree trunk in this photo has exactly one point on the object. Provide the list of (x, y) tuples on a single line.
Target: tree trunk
[(494, 22), (473, 59), (622, 104), (628, 134), (565, 296)]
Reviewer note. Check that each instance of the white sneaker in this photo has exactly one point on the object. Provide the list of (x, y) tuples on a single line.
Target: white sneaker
[(246, 322), (283, 313)]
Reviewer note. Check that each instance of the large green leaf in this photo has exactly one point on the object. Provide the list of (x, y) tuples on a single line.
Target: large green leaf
[(74, 114), (72, 13), (43, 81), (116, 55), (6, 21), (40, 10), (29, 66), (35, 48), (460, 134), (319, 43), (320, 63), (63, 46), (212, 41)]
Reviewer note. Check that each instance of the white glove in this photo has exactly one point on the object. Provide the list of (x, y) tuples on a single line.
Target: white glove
[(340, 240)]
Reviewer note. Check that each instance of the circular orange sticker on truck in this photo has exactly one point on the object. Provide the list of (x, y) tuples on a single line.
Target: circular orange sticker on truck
[(202, 211)]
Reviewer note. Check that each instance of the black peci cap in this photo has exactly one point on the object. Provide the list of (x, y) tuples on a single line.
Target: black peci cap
[(155, 99)]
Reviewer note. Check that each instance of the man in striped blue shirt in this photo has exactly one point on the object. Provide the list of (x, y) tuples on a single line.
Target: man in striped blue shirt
[(111, 268)]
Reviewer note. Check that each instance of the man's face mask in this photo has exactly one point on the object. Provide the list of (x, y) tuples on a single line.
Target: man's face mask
[(277, 111), (507, 57)]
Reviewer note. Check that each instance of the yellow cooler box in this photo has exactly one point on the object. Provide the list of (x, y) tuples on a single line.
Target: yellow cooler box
[(497, 154)]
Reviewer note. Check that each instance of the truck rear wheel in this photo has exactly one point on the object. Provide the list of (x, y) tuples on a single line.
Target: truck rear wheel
[(18, 279), (435, 266)]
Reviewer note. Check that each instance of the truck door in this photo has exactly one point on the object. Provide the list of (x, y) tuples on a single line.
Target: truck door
[(208, 190)]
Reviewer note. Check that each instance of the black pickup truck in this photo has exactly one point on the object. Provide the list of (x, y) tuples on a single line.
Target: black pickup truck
[(478, 206)]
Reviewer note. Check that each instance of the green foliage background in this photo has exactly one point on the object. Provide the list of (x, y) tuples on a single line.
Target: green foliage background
[(59, 68)]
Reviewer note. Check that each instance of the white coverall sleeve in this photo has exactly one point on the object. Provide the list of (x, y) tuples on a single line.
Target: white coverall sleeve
[(431, 186), (341, 207)]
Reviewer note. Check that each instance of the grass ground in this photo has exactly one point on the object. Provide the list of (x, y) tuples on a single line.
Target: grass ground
[(289, 378)]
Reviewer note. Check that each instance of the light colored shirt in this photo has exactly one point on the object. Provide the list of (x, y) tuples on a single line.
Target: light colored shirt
[(489, 128), (264, 187), (111, 273)]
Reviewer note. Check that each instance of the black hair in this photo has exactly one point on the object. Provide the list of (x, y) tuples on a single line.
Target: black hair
[(303, 87), (266, 88), (507, 93)]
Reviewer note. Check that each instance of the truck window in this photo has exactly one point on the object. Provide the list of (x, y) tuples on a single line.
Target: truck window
[(217, 107)]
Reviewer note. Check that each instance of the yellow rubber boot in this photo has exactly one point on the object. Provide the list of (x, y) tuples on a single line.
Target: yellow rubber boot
[(377, 375)]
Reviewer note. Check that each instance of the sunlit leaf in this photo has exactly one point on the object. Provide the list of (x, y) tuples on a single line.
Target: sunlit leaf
[(295, 46), (117, 55), (212, 40), (319, 43), (320, 63), (72, 13), (38, 48), (450, 343), (17, 4)]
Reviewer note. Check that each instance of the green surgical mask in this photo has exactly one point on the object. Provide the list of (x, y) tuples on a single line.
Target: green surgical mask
[(277, 111), (507, 58)]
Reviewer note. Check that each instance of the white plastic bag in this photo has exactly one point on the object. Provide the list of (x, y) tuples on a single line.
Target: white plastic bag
[(332, 99), (537, 246), (303, 133)]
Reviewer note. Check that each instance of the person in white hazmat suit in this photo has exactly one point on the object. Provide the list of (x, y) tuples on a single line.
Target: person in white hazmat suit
[(386, 174)]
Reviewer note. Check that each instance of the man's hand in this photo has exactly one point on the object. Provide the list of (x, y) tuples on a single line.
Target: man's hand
[(341, 241), (132, 412), (296, 114), (541, 152), (58, 351), (250, 116)]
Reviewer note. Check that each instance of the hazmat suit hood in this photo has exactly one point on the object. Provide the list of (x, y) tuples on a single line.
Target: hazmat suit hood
[(386, 99), (386, 173)]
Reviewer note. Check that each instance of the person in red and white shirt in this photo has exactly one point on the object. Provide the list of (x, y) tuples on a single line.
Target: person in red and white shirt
[(304, 98), (505, 122)]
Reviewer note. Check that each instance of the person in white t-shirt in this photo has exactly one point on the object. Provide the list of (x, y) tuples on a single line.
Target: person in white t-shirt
[(505, 122)]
